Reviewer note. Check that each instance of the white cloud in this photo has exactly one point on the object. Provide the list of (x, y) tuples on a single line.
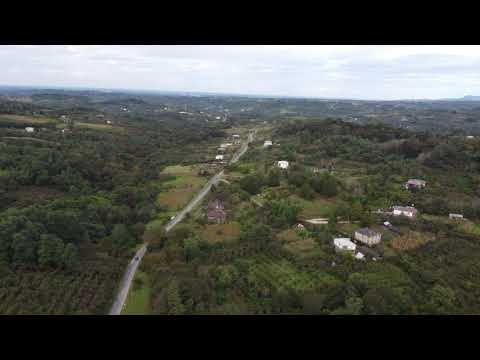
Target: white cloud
[(387, 72)]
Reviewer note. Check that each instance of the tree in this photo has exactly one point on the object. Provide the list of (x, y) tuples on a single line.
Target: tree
[(441, 300), (174, 300), (273, 178), (252, 183), (121, 237), (191, 247), (50, 250), (353, 306), (306, 192), (226, 275), (70, 258)]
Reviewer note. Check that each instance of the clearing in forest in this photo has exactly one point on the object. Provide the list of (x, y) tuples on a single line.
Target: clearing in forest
[(182, 188), (214, 233)]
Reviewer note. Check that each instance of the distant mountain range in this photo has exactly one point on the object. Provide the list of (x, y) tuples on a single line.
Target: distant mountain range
[(465, 98)]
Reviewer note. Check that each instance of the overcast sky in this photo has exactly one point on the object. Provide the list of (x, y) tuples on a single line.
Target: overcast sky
[(362, 72)]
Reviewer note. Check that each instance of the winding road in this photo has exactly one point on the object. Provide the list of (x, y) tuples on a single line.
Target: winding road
[(127, 281), (132, 267)]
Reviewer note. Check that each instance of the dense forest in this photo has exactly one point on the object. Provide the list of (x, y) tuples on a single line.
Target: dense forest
[(74, 204)]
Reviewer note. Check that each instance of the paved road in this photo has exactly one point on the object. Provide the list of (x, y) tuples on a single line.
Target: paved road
[(132, 267), (127, 281), (215, 179), (181, 215)]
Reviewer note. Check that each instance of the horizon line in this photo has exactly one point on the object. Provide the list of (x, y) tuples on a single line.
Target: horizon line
[(214, 93)]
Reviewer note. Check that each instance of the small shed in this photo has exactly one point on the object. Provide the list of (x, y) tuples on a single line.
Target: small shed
[(456, 216), (29, 129), (267, 143), (283, 164), (219, 157)]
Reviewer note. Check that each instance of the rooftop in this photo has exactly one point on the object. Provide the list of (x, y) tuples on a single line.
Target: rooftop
[(405, 208), (367, 232), (416, 181), (344, 243)]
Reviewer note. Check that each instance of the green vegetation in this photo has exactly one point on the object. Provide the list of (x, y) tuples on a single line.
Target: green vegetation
[(138, 300), (75, 205)]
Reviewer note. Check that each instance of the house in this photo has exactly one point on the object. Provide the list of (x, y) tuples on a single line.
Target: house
[(470, 137), (415, 184), (456, 216), (368, 236), (267, 143), (221, 149), (29, 129), (408, 211), (109, 122), (344, 244), (216, 204), (236, 136), (359, 256), (282, 164), (216, 211), (219, 157), (300, 226)]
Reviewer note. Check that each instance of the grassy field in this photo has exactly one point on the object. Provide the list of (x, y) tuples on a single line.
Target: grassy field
[(182, 188), (297, 245), (411, 240), (319, 207), (138, 300), (221, 232), (470, 227), (99, 127), (3, 172), (180, 170), (20, 119)]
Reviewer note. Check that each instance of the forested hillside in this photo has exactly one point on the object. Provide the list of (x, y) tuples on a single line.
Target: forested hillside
[(74, 203)]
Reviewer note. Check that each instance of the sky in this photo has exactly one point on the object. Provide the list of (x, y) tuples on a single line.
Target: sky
[(323, 71)]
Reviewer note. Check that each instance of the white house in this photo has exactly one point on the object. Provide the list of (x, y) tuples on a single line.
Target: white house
[(368, 236), (455, 216), (470, 137), (344, 244), (29, 129), (408, 211), (236, 136), (219, 157), (218, 117), (282, 164), (109, 122), (267, 143)]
